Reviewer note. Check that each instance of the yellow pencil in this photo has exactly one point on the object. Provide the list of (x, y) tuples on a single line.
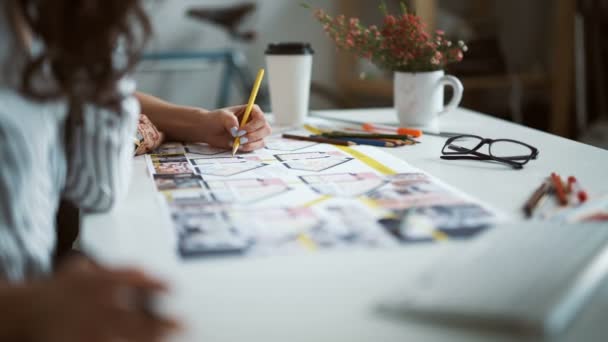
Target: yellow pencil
[(254, 94)]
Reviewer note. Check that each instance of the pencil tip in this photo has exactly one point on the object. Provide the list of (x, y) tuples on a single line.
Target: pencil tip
[(234, 149)]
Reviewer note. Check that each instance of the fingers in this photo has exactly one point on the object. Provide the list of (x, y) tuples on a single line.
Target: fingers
[(77, 263), (133, 325), (230, 122), (256, 136), (137, 279), (136, 319), (257, 129), (254, 141), (253, 133), (257, 120)]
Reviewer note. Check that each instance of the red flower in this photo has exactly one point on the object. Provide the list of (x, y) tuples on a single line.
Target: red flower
[(319, 13), (438, 56), (390, 20), (456, 54), (350, 41)]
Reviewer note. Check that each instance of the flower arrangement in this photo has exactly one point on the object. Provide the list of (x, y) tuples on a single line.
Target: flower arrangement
[(401, 44)]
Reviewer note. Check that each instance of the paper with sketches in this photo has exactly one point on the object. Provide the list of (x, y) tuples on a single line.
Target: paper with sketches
[(294, 197)]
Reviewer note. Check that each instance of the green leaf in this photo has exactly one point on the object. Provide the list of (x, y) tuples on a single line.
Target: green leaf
[(403, 7), (383, 7), (305, 5)]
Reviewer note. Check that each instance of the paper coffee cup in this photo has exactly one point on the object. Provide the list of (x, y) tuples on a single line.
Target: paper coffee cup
[(289, 72)]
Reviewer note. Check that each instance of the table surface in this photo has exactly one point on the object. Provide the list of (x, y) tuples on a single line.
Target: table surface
[(334, 296)]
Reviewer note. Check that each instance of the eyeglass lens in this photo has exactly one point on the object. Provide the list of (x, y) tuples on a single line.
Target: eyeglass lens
[(464, 144), (510, 150)]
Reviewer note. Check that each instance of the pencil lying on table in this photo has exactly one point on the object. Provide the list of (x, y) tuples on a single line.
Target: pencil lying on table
[(537, 197), (321, 140), (368, 142), (378, 128), (342, 141), (368, 136), (398, 142), (558, 187)]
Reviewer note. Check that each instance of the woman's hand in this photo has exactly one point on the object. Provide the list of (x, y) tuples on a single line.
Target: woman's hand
[(88, 303), (219, 128)]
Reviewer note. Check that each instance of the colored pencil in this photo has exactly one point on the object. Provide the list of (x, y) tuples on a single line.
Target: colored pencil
[(250, 103), (399, 142), (368, 136), (368, 142), (558, 186), (537, 198), (319, 140), (378, 128)]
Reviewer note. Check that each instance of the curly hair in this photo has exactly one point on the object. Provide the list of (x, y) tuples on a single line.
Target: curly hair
[(88, 46)]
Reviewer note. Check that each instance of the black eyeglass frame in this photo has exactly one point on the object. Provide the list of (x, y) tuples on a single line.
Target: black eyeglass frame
[(517, 162)]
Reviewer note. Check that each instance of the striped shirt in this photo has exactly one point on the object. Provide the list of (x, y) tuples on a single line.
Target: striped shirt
[(38, 169)]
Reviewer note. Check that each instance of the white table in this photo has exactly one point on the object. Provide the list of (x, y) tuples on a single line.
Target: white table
[(333, 296)]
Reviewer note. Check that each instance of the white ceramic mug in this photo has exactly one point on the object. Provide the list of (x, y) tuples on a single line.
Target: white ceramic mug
[(289, 73), (419, 99)]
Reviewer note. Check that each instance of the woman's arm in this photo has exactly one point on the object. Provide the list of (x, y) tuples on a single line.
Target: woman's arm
[(16, 313), (218, 127), (173, 120), (101, 154)]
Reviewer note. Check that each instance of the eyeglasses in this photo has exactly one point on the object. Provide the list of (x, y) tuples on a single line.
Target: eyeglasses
[(507, 151)]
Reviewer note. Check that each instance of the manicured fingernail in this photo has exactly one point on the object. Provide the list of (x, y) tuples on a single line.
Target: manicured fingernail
[(234, 131), (244, 140), (241, 133)]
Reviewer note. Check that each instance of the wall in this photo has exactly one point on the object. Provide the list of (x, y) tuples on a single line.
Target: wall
[(275, 21)]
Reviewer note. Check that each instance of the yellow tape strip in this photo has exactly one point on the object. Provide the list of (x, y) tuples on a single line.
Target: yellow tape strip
[(369, 161), (168, 195), (313, 130), (370, 203), (439, 236), (307, 242), (317, 201)]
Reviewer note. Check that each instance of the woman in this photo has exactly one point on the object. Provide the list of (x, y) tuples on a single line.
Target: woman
[(68, 111)]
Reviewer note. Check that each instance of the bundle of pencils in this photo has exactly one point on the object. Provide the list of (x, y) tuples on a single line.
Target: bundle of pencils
[(350, 139), (566, 193), (395, 139)]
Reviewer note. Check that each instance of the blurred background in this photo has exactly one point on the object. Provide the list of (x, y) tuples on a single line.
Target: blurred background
[(540, 63)]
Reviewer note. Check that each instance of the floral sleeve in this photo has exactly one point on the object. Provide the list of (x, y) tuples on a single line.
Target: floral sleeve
[(148, 137)]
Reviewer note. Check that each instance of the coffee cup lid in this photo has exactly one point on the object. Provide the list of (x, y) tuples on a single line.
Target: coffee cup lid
[(289, 49)]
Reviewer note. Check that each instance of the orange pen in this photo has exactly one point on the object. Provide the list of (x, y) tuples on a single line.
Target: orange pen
[(376, 128), (558, 186)]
